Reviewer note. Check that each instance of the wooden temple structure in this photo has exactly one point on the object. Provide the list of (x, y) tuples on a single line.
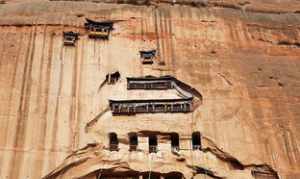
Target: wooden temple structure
[(70, 38), (98, 30)]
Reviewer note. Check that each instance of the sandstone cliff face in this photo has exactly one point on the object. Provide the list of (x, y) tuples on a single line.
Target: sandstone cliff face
[(243, 56)]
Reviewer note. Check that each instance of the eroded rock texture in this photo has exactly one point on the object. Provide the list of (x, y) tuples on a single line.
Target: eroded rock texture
[(243, 56)]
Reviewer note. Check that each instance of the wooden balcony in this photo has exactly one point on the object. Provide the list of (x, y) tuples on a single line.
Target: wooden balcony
[(70, 38), (132, 107), (98, 35)]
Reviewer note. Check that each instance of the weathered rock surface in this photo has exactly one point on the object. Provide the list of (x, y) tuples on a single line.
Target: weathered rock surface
[(243, 56)]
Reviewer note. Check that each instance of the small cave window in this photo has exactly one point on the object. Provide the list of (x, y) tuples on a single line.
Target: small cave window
[(173, 175), (133, 141), (117, 175), (196, 140), (113, 141), (152, 144), (174, 142), (151, 175)]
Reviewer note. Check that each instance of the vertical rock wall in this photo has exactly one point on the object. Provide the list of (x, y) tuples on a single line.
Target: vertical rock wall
[(245, 64)]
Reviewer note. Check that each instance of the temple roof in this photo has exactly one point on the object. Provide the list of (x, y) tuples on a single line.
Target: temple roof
[(179, 84), (152, 100), (102, 23), (145, 94)]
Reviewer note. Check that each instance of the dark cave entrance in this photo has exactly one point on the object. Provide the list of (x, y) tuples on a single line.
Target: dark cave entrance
[(174, 142), (152, 144), (113, 142), (137, 175), (196, 141), (133, 141)]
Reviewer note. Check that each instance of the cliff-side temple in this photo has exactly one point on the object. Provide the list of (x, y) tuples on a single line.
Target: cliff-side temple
[(70, 38), (147, 56), (98, 30), (134, 106), (150, 82)]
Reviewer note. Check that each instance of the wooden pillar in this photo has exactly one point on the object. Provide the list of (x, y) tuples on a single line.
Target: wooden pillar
[(189, 108), (127, 106), (134, 108)]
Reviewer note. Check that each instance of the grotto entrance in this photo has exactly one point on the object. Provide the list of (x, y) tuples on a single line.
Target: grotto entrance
[(118, 175), (113, 142), (138, 175)]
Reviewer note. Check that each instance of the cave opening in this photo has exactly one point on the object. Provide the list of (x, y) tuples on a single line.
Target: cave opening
[(173, 175), (117, 175), (133, 141), (152, 144), (196, 140), (151, 175), (138, 175), (113, 142), (174, 142)]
